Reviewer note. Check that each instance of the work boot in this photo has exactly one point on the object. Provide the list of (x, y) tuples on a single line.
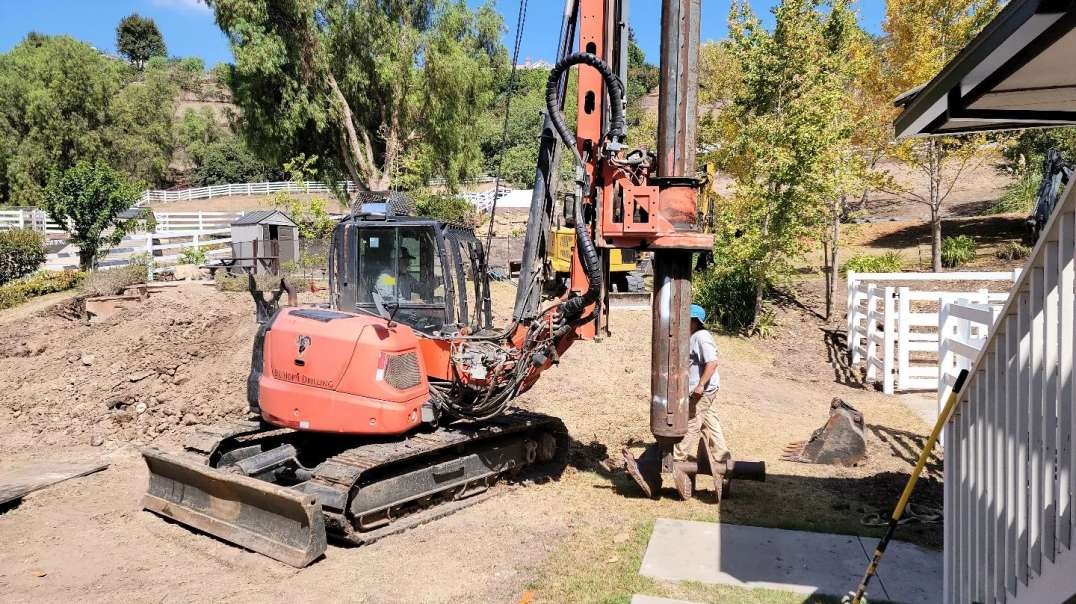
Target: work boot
[(644, 471), (685, 483)]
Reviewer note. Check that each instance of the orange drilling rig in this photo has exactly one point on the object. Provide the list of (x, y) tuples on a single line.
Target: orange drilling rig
[(392, 404)]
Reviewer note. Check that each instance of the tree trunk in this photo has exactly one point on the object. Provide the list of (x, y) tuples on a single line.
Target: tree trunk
[(759, 291), (85, 257), (834, 246), (827, 270), (934, 164), (935, 240), (354, 159)]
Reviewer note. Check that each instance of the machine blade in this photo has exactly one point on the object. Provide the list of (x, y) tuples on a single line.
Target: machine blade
[(284, 524)]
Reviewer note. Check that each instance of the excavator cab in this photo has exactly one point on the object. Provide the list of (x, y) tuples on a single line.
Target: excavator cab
[(422, 272)]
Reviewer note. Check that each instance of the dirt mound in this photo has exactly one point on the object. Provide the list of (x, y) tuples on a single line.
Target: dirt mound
[(179, 359)]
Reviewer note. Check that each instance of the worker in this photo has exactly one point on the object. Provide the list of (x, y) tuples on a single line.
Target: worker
[(703, 382), (397, 288)]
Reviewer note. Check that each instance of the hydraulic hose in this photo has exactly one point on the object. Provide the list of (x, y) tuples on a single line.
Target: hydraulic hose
[(614, 90), (588, 255)]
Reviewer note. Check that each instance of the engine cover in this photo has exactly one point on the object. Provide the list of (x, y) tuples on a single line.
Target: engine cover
[(330, 371)]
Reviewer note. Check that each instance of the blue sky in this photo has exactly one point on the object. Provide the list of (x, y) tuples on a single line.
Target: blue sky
[(189, 29)]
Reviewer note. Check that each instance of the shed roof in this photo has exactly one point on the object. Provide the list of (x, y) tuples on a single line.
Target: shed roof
[(264, 217), (1018, 72)]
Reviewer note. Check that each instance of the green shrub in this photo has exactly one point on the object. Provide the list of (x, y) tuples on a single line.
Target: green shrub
[(192, 255), (1020, 196), (1013, 251), (956, 251), (729, 297), (22, 252), (889, 262), (447, 208), (113, 281), (766, 325), (41, 283), (310, 215)]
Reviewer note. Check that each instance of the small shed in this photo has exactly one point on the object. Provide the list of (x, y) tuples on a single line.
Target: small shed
[(263, 240)]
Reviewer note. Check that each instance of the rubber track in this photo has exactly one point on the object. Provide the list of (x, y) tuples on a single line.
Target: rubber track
[(336, 477)]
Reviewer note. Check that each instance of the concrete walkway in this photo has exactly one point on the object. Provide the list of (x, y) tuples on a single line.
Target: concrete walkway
[(795, 561)]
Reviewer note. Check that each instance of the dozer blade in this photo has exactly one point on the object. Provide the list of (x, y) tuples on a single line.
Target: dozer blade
[(276, 521)]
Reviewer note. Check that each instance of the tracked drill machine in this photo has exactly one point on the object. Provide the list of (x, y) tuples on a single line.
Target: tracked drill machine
[(391, 404)]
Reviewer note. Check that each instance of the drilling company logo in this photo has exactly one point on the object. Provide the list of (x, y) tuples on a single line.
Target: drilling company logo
[(300, 378), (302, 344)]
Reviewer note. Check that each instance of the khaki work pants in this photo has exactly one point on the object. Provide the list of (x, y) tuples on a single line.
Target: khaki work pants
[(702, 421)]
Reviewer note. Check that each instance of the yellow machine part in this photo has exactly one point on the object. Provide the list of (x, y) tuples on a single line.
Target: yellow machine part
[(564, 246)]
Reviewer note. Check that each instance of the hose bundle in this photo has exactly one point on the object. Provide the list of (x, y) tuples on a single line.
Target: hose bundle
[(571, 309)]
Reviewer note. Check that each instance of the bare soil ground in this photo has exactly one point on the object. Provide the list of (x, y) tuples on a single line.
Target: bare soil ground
[(974, 193), (88, 539)]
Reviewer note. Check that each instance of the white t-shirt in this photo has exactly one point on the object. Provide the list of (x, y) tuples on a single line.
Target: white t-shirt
[(703, 351)]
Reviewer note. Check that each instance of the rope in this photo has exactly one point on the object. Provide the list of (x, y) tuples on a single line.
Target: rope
[(521, 19)]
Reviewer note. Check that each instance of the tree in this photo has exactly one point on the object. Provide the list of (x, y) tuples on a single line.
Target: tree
[(88, 199), (138, 39), (196, 130), (516, 153), (141, 136), (369, 86), (784, 137), (228, 160), (55, 94), (864, 119), (922, 36)]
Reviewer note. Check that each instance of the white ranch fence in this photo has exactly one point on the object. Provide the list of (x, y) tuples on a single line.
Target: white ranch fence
[(247, 188), (1009, 460), (174, 233), (28, 218), (160, 247), (886, 324), (963, 326)]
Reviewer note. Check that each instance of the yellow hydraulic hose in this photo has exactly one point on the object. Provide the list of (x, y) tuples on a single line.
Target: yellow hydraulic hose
[(898, 511)]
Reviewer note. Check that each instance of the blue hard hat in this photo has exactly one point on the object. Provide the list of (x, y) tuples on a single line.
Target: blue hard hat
[(698, 312)]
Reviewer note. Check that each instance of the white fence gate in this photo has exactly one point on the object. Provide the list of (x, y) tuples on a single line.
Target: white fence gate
[(885, 324)]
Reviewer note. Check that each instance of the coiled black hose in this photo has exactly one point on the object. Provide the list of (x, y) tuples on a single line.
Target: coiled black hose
[(588, 252), (613, 89)]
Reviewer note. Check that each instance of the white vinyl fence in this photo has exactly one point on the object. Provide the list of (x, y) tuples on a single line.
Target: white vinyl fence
[(247, 188), (1009, 459), (963, 326), (175, 232), (160, 247), (887, 325), (28, 218)]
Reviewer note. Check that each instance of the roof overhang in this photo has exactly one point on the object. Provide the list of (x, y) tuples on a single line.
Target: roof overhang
[(1019, 72)]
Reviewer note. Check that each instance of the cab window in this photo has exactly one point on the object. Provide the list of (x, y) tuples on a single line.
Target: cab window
[(401, 265)]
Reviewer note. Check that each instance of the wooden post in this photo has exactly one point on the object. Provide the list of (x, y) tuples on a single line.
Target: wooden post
[(872, 326), (849, 314), (149, 260), (889, 322), (904, 303)]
